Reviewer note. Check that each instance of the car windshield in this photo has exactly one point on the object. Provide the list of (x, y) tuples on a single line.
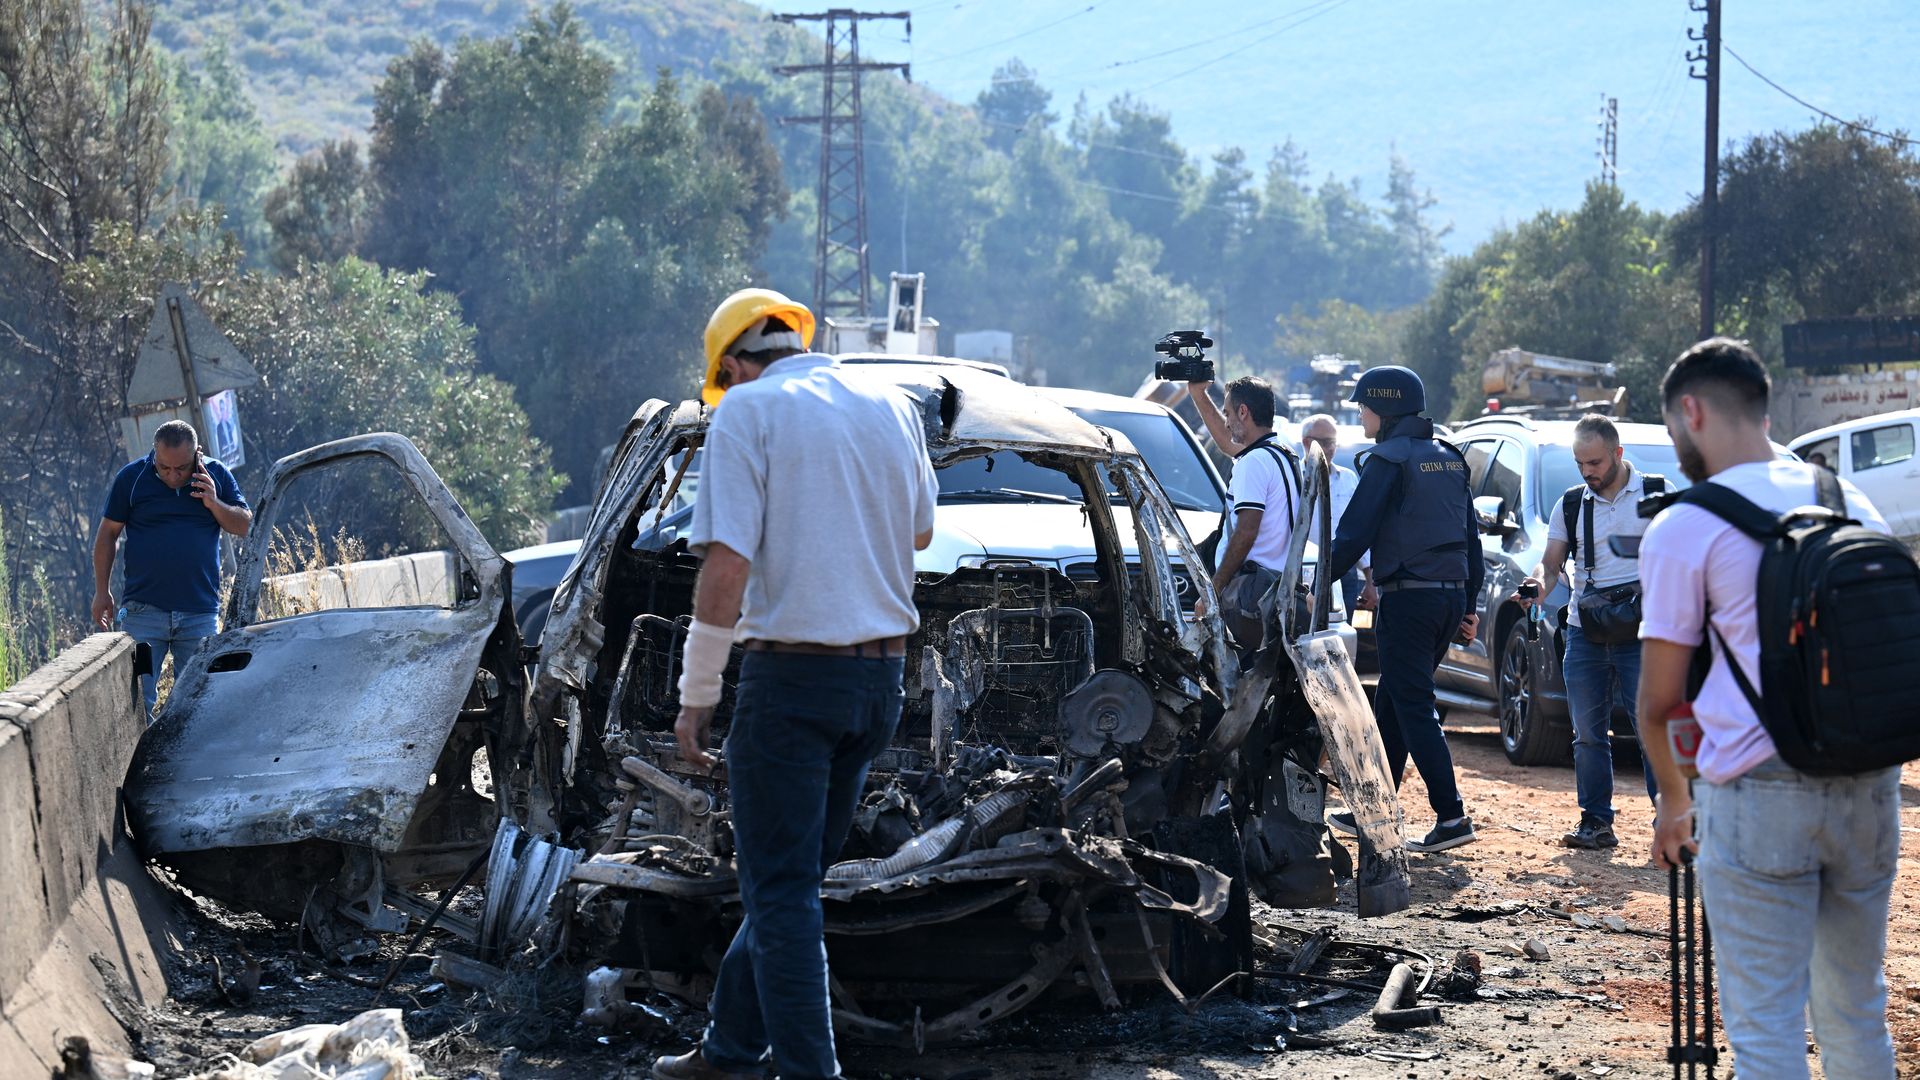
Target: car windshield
[(1171, 456), (1007, 473), (1559, 471)]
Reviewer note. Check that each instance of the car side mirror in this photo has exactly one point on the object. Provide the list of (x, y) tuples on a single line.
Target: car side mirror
[(1490, 515)]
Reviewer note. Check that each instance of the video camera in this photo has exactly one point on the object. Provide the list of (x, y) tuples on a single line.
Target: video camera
[(1187, 357)]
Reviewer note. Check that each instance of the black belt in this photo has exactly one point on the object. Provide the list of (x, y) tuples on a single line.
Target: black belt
[(1415, 583)]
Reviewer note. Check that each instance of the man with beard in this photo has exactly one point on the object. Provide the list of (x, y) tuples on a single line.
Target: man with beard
[(1258, 526), (1600, 671), (1412, 511), (1796, 870)]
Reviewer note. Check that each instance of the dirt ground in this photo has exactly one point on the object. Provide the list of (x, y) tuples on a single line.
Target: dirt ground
[(1597, 1006)]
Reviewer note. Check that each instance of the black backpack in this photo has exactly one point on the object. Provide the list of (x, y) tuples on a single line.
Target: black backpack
[(1839, 614)]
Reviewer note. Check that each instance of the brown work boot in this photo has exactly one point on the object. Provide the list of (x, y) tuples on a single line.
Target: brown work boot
[(693, 1065)]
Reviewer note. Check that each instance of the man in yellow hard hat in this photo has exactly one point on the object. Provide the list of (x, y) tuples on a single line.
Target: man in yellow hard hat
[(744, 332), (815, 491)]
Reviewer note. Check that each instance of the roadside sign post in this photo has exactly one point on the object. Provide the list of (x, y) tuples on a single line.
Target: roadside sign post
[(186, 370)]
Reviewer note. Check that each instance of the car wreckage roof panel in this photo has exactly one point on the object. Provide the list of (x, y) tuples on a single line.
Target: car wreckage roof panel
[(962, 408)]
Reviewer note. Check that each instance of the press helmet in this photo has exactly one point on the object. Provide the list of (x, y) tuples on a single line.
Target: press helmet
[(1390, 391)]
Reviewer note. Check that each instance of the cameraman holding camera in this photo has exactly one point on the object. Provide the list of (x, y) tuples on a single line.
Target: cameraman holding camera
[(1263, 494)]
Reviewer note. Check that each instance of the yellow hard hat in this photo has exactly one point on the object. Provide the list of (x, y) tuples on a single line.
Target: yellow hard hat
[(739, 313)]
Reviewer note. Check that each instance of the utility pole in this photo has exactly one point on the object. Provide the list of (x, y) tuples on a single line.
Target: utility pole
[(1707, 53), (841, 282), (1609, 141)]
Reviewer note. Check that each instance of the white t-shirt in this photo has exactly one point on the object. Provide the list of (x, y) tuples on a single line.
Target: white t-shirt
[(820, 477), (1263, 480), (1619, 516), (1345, 481), (1691, 563)]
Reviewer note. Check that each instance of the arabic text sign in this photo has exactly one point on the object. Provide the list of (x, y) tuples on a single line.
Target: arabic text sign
[(1865, 339)]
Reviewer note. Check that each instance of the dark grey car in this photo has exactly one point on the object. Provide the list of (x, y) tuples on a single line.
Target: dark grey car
[(1518, 471)]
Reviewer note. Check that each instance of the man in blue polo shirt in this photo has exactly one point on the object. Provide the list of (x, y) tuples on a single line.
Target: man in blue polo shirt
[(172, 505)]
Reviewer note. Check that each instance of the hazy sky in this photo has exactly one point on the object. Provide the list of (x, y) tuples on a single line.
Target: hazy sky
[(1494, 103)]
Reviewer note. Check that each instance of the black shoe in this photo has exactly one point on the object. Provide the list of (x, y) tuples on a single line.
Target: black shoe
[(1343, 822), (1446, 836), (1592, 833)]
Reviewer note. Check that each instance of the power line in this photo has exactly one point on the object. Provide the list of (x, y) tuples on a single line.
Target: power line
[(1162, 53), (1024, 33), (1116, 147), (1890, 137), (1256, 41), (1111, 190)]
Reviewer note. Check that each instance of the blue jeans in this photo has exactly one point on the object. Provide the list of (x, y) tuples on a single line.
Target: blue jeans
[(1599, 677), (165, 632), (1781, 854), (1414, 628), (805, 728)]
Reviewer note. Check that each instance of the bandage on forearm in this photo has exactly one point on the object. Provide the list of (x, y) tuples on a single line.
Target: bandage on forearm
[(702, 661)]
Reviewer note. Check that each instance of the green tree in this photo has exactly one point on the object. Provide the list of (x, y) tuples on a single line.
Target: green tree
[(1434, 340), (1416, 252), (1593, 284), (221, 155), (342, 348), (319, 213), (1817, 223), (83, 154), (1131, 152), (347, 347), (1013, 102), (1349, 330), (586, 249)]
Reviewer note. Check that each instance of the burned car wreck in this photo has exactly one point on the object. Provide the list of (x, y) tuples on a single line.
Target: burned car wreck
[(1082, 789), (1088, 783)]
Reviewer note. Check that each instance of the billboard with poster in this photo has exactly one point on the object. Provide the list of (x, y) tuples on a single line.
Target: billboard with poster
[(218, 426)]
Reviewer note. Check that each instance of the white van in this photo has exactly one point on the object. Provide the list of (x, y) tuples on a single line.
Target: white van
[(1877, 454)]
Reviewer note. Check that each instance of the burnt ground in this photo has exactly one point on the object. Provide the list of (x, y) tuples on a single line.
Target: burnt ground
[(1596, 1006)]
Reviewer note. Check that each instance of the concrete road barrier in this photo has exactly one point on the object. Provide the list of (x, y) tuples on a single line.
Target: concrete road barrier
[(427, 579), (81, 923)]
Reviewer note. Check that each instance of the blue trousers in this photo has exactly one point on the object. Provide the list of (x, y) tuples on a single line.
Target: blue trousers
[(176, 633), (1797, 874), (1414, 628), (805, 729), (1599, 677)]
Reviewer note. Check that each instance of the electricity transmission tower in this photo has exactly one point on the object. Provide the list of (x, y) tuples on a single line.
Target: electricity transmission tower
[(1609, 141), (841, 283)]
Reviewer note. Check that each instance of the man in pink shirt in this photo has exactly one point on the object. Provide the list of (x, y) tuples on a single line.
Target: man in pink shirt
[(1795, 870)]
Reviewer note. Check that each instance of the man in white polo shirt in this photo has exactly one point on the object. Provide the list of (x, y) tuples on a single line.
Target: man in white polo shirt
[(1600, 671), (811, 476), (1264, 496), (1795, 870)]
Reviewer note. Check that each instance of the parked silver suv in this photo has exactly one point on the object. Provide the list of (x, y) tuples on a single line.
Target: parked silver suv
[(1519, 469)]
